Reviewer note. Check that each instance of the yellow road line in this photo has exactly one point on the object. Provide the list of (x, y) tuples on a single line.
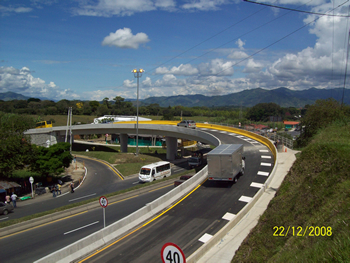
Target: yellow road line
[(103, 162), (160, 188), (115, 242), (124, 199), (43, 224)]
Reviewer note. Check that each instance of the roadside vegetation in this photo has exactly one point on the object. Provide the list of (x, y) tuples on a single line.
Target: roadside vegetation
[(313, 200), (127, 163)]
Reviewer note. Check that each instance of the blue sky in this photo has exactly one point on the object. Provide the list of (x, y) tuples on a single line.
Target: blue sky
[(86, 49)]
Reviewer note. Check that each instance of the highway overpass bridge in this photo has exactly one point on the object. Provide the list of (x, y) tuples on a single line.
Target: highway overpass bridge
[(50, 136)]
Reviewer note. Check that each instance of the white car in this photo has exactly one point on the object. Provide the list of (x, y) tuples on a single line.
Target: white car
[(187, 124)]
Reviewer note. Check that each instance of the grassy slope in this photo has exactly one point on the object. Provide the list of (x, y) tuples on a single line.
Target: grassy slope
[(316, 192)]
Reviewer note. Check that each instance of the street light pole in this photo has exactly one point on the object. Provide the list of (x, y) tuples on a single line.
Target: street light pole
[(137, 74)]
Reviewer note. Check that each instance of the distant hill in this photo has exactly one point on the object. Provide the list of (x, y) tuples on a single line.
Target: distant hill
[(12, 96), (247, 98), (281, 96)]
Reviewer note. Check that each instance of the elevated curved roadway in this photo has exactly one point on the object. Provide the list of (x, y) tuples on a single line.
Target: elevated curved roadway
[(196, 213)]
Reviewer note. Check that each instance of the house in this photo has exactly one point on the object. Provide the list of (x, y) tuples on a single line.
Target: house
[(290, 124)]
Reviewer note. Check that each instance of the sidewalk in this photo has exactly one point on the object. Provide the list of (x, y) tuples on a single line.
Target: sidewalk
[(76, 172), (224, 251)]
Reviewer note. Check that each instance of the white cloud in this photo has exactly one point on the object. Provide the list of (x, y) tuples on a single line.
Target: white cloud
[(184, 70), (238, 55), (129, 84), (252, 66), (10, 10), (123, 38), (240, 43), (22, 81), (204, 5), (217, 67), (107, 8)]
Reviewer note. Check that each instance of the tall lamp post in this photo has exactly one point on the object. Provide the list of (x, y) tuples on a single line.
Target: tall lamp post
[(137, 74)]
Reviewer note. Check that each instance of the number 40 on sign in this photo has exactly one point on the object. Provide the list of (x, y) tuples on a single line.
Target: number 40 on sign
[(171, 253)]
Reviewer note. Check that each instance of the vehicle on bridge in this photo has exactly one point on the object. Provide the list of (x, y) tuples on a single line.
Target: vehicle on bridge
[(43, 124), (226, 163), (154, 171), (187, 124)]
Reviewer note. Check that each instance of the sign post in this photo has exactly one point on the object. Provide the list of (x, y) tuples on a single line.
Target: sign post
[(31, 180), (104, 203), (171, 253)]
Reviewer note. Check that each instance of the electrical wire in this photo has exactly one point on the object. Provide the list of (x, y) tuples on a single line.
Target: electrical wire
[(295, 10)]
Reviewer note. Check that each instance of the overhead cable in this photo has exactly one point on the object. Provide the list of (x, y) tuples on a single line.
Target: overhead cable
[(296, 10)]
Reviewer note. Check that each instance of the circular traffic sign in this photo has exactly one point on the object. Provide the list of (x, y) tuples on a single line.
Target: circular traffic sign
[(31, 180), (171, 253), (103, 201)]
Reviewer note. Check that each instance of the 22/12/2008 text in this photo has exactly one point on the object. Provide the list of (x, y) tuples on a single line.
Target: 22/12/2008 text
[(315, 231)]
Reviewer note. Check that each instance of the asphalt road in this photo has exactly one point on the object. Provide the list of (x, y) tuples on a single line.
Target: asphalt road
[(196, 217), (200, 213)]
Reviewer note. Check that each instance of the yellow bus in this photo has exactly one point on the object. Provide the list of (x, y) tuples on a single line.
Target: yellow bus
[(43, 124)]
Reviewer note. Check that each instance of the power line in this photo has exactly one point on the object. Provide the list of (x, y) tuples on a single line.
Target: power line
[(280, 40), (296, 10)]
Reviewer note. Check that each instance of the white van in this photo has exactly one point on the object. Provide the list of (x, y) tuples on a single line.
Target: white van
[(154, 171)]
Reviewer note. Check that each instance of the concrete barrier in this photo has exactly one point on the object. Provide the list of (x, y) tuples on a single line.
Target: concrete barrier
[(119, 228)]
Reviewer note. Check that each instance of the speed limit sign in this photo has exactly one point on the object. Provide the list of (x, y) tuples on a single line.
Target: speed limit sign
[(171, 253), (103, 201)]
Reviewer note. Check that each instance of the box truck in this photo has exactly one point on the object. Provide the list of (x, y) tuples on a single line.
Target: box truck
[(226, 162)]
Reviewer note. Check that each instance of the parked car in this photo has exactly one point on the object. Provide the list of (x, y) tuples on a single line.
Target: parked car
[(5, 208), (187, 124)]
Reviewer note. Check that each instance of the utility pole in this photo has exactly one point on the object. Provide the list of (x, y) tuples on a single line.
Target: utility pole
[(137, 74)]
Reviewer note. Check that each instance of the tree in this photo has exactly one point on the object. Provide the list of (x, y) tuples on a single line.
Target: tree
[(52, 160), (262, 111), (106, 102), (118, 102), (319, 115), (94, 105), (16, 150)]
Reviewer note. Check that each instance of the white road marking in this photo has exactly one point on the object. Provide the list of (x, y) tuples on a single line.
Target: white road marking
[(263, 173), (265, 164), (256, 185), (264, 151), (266, 156), (3, 218), (81, 228), (81, 197), (228, 216), (205, 238), (245, 199)]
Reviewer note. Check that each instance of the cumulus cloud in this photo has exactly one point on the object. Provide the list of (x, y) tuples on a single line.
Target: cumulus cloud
[(10, 10), (22, 81), (184, 70), (123, 38), (240, 43), (217, 67), (107, 8), (129, 84), (238, 55), (204, 5), (253, 66)]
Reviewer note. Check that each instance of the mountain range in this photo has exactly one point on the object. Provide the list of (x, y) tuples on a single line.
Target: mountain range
[(247, 98)]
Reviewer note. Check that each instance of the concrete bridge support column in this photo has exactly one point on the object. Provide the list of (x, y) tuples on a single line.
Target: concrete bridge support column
[(171, 148), (123, 142)]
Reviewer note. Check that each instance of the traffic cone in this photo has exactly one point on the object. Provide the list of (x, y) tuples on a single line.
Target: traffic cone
[(285, 149)]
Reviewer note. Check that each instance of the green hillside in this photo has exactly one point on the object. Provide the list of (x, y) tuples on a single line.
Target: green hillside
[(315, 193), (248, 98)]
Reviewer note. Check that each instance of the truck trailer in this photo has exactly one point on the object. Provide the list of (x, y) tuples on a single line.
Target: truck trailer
[(226, 163)]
